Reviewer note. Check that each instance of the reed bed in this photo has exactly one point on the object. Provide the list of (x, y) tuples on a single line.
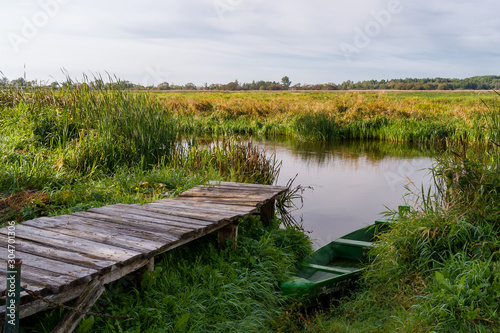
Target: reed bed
[(237, 160), (409, 117), (55, 140)]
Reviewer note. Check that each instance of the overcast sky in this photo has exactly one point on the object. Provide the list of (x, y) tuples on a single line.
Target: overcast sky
[(218, 41)]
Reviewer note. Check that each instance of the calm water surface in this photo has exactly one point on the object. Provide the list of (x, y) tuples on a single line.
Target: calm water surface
[(353, 183)]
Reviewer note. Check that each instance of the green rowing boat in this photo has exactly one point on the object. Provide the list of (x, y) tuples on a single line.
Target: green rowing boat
[(338, 261)]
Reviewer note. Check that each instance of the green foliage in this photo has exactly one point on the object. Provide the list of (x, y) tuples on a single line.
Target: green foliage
[(86, 325), (464, 295), (285, 81), (487, 82)]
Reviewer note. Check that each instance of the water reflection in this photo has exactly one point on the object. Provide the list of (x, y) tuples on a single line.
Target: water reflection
[(353, 182)]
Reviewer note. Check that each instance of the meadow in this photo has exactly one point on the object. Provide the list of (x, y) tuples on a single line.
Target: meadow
[(326, 116), (70, 150)]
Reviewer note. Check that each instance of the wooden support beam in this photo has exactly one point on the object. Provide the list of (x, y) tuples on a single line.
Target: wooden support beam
[(89, 296), (148, 267), (228, 232), (267, 212)]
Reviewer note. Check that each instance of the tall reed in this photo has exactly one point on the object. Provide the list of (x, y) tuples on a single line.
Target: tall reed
[(234, 160)]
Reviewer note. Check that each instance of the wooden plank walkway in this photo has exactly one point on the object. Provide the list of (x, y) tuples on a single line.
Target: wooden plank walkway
[(61, 255)]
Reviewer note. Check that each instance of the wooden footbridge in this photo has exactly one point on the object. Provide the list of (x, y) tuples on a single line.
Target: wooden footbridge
[(73, 256)]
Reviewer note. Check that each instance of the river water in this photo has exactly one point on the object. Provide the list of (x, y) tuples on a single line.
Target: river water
[(353, 183)]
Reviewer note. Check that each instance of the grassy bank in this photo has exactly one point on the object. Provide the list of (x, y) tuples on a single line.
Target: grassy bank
[(320, 116)]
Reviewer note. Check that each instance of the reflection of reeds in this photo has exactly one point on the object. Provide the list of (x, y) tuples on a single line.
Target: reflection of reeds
[(287, 204)]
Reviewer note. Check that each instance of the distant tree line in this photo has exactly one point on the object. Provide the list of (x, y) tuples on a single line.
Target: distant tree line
[(489, 82)]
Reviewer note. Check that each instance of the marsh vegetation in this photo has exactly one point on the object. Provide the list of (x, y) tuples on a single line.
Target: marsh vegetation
[(69, 150)]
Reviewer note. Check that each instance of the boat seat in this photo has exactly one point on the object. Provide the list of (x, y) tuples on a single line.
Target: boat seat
[(352, 242), (329, 269)]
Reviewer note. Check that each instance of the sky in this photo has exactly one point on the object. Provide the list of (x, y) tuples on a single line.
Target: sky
[(219, 41)]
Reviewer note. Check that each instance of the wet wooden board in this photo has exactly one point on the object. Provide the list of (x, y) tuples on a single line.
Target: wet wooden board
[(61, 254)]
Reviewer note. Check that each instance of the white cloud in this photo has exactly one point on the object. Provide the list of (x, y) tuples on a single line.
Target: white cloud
[(252, 40)]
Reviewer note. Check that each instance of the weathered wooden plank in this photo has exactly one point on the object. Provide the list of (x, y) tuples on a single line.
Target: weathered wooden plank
[(136, 231), (55, 282), (186, 201), (124, 215), (228, 201), (183, 230), (193, 213), (246, 191), (245, 185), (202, 192), (148, 226), (94, 233), (203, 207), (75, 271), (71, 243), (30, 285), (136, 211), (237, 191), (234, 190), (163, 213), (42, 250)]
